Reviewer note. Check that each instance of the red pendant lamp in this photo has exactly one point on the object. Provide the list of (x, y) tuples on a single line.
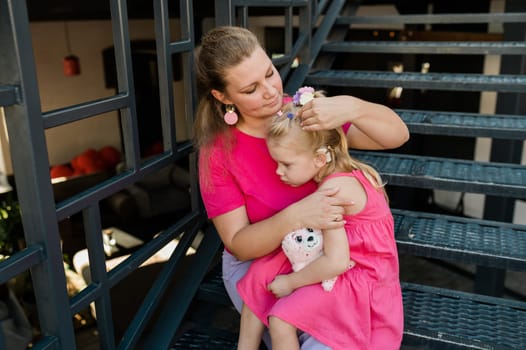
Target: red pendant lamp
[(71, 62)]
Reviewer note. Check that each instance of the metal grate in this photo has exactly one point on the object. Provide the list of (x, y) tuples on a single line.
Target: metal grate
[(499, 179), (437, 81), (422, 47), (474, 241), (197, 340), (437, 315), (464, 124), (464, 319)]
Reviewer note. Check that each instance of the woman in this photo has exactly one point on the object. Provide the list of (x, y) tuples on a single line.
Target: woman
[(252, 210)]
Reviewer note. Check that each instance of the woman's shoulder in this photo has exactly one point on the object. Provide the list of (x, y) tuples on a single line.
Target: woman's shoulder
[(221, 143)]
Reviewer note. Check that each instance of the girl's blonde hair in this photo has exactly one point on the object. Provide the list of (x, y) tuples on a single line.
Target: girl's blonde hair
[(221, 49), (334, 140)]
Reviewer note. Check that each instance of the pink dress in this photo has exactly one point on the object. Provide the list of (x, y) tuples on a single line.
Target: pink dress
[(364, 310)]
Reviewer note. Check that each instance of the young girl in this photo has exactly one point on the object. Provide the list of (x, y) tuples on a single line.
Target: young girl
[(364, 309)]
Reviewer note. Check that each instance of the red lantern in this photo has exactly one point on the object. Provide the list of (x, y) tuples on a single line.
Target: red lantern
[(71, 65)]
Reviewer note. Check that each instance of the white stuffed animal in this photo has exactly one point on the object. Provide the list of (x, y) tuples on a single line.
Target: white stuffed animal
[(303, 246)]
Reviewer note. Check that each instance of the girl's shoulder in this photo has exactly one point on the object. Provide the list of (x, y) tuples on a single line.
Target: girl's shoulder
[(350, 188), (342, 175), (347, 180)]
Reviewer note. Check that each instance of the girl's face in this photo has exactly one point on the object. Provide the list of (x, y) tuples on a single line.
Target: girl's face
[(296, 163), (254, 86)]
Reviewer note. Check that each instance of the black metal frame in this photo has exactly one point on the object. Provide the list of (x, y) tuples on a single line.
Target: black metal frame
[(26, 125)]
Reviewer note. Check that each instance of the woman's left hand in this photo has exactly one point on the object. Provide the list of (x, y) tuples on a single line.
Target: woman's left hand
[(327, 112), (374, 126)]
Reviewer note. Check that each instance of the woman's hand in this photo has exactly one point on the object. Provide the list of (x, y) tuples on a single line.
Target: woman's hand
[(322, 210), (326, 112), (373, 125)]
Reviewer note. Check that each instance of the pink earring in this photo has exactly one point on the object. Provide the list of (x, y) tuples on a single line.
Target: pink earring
[(230, 116)]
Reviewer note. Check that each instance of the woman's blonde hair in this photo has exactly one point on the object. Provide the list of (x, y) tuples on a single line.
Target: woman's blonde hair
[(221, 49), (333, 140)]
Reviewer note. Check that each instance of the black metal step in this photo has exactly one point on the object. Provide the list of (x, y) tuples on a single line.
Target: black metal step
[(463, 18), (449, 319), (465, 124), (429, 47), (205, 339), (452, 319), (498, 179), (480, 242), (212, 288), (411, 80), (178, 300), (444, 237)]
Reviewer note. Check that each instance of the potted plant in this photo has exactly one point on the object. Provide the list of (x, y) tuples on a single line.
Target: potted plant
[(11, 230)]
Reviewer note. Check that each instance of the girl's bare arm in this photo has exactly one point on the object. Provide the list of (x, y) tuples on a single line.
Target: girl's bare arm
[(336, 257), (334, 261)]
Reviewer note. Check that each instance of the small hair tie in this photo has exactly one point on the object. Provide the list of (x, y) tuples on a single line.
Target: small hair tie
[(290, 115)]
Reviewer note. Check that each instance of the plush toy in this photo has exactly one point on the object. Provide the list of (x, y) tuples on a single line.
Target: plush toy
[(303, 246)]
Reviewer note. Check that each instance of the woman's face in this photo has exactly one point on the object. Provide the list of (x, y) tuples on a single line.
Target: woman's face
[(254, 86)]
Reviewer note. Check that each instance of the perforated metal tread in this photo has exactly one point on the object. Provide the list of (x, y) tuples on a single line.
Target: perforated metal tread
[(449, 318), (212, 288), (411, 80), (480, 242), (499, 179), (431, 47), (204, 340), (462, 320), (439, 18), (464, 124)]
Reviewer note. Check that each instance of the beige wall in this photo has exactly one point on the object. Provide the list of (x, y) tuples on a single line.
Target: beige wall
[(88, 39)]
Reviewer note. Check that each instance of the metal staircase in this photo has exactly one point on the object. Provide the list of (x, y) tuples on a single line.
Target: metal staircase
[(435, 317)]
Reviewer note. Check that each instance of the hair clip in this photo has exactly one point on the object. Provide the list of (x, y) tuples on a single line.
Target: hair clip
[(303, 95), (290, 115), (279, 114)]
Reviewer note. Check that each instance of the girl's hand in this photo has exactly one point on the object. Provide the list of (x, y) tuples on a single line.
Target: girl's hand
[(280, 287), (321, 210)]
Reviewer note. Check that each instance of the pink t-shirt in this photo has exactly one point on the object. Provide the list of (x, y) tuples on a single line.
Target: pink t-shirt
[(246, 176)]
